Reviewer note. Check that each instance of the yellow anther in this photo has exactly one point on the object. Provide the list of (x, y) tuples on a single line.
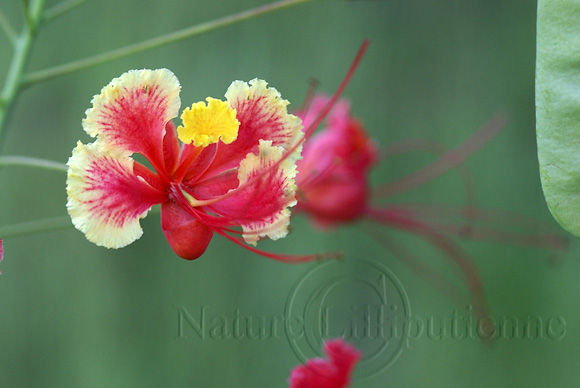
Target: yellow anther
[(207, 124)]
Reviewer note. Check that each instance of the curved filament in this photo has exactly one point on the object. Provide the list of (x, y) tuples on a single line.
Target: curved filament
[(284, 258), (448, 161), (429, 274), (526, 231), (406, 146), (461, 259)]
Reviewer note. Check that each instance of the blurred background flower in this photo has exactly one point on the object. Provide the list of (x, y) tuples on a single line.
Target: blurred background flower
[(334, 371)]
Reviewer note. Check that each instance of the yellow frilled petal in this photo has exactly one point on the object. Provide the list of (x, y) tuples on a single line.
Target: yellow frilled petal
[(207, 124), (282, 184), (264, 114), (130, 113), (106, 199)]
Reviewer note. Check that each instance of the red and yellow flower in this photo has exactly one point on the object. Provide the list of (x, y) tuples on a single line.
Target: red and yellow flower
[(235, 166)]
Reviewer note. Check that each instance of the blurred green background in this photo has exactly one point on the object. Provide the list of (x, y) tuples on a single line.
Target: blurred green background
[(77, 315)]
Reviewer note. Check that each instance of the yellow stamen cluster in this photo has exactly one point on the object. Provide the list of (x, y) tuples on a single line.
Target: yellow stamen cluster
[(206, 124)]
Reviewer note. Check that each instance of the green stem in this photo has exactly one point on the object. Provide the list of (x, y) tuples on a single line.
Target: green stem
[(25, 161), (44, 225), (24, 6), (60, 9), (37, 226), (7, 27), (22, 44), (57, 71)]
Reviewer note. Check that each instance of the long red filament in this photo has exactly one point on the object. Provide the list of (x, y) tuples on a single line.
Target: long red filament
[(528, 231), (203, 217), (435, 279), (406, 146), (456, 254), (285, 258), (448, 161)]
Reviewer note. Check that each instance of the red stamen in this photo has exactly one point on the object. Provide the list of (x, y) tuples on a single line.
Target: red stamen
[(284, 258), (359, 56), (394, 218), (267, 229), (210, 221), (448, 161), (203, 217), (464, 262), (435, 279), (535, 233), (406, 146), (487, 234)]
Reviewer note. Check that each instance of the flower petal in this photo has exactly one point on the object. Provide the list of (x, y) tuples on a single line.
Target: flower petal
[(261, 208), (343, 356), (333, 173), (171, 148), (215, 186), (263, 115), (106, 198), (338, 116), (196, 170), (130, 113), (334, 372), (344, 137), (335, 201)]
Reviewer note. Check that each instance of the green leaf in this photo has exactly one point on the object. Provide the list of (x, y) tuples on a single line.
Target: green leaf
[(558, 108)]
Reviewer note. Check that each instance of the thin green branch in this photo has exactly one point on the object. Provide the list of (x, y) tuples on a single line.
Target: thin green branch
[(22, 44), (43, 75), (24, 6), (44, 225), (37, 226), (61, 9), (25, 161), (33, 11), (7, 27)]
